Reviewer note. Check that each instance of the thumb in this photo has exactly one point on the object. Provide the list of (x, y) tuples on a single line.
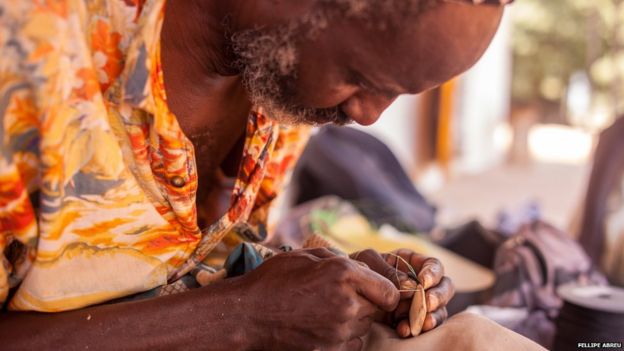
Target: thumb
[(377, 263)]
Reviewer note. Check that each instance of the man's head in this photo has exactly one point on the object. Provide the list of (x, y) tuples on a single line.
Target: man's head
[(347, 60)]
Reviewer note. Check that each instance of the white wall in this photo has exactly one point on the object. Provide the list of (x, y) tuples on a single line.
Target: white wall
[(397, 127), (483, 105)]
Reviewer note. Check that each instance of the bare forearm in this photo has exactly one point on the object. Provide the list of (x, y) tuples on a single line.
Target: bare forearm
[(208, 318)]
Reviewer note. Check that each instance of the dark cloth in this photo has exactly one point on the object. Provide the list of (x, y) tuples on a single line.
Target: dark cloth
[(355, 166), (529, 268), (532, 264), (606, 174), (243, 259), (472, 241)]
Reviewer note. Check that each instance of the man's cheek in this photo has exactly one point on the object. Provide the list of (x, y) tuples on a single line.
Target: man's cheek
[(322, 90)]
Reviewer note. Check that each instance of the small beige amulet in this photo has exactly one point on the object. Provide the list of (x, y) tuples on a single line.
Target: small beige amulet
[(418, 311), (418, 308)]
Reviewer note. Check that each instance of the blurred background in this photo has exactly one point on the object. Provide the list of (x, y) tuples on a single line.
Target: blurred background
[(518, 167), (520, 127)]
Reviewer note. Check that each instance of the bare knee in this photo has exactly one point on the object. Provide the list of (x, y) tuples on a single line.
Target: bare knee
[(479, 333), (473, 319)]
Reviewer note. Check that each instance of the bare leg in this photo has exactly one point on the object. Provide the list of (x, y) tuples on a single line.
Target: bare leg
[(465, 331)]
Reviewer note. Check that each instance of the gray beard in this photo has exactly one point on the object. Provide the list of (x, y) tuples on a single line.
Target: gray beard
[(267, 60)]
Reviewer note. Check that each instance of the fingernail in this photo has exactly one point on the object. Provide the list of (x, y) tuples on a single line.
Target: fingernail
[(434, 322), (426, 280), (404, 331), (408, 285)]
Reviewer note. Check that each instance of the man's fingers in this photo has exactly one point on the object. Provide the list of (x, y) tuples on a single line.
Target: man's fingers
[(375, 288), (365, 310), (403, 329), (431, 272), (362, 264), (319, 252), (440, 295), (355, 344), (435, 319), (402, 310), (432, 320), (378, 264), (406, 255)]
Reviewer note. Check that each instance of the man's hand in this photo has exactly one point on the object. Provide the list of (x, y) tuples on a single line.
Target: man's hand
[(314, 299), (430, 272), (301, 300)]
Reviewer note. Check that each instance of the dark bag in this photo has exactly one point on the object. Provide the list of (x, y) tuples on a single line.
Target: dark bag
[(530, 267), (532, 264), (470, 240), (355, 166)]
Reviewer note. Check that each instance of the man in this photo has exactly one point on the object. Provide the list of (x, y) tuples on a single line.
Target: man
[(123, 121)]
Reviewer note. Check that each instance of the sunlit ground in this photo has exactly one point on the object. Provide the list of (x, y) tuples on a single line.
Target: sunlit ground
[(555, 178), (560, 144)]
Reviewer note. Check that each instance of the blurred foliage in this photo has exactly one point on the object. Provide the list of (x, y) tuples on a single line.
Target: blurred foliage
[(553, 39)]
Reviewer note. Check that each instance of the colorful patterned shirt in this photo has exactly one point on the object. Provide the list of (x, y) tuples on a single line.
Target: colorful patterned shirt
[(97, 180)]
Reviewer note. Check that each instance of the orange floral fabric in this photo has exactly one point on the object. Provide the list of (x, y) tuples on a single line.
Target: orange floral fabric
[(89, 149)]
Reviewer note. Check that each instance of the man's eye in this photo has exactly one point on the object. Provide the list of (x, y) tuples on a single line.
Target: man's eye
[(365, 85), (358, 80), (368, 87)]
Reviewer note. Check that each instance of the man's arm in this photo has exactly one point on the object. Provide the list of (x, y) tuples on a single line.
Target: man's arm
[(304, 300), (212, 317)]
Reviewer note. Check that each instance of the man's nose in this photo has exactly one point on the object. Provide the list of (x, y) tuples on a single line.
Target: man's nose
[(365, 108)]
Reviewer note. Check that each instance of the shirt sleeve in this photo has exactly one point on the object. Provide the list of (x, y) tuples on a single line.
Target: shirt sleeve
[(288, 148)]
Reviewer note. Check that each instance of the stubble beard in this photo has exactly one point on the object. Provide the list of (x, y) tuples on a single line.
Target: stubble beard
[(267, 61)]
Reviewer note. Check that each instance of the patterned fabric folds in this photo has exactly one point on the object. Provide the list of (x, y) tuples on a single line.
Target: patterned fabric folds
[(97, 180)]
